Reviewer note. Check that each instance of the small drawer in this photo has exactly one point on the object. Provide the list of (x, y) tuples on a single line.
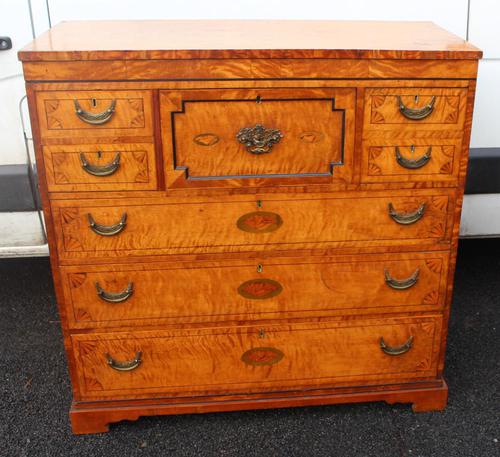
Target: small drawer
[(99, 114), (117, 295), (229, 138), (417, 160), (113, 228), (269, 358), (103, 167), (405, 110)]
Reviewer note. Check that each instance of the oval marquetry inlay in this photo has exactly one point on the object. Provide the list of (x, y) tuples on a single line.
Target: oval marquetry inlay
[(260, 289), (206, 139), (311, 137), (262, 356), (259, 222)]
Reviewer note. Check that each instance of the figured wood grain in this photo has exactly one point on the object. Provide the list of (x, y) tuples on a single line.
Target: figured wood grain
[(326, 354), (317, 127), (330, 238), (136, 171), (258, 69), (210, 227), (355, 285), (132, 115), (149, 40)]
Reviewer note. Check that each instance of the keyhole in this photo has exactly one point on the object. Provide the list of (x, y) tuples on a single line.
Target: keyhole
[(99, 154), (412, 150), (94, 103), (258, 100), (260, 268), (262, 333), (416, 99), (259, 203)]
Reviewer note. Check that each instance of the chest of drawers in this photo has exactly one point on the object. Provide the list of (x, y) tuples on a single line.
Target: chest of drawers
[(240, 216)]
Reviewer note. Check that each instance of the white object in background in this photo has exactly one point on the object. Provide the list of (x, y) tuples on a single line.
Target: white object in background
[(483, 26), (449, 14), (485, 123), (480, 216), (21, 235)]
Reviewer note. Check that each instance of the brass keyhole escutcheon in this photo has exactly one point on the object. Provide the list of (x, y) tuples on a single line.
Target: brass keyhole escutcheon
[(260, 268), (259, 203), (262, 333)]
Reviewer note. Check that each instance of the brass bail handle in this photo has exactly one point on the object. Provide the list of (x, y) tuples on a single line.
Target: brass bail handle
[(95, 118)]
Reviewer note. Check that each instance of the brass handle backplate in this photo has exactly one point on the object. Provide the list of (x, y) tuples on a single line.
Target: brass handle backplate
[(95, 118), (413, 164), (107, 230), (401, 284), (127, 365), (114, 297), (258, 139), (100, 170), (416, 114), (396, 350), (407, 218)]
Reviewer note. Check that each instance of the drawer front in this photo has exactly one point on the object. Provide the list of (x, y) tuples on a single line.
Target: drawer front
[(250, 359), (405, 110), (226, 137), (114, 295), (144, 228), (101, 167), (414, 160), (68, 114)]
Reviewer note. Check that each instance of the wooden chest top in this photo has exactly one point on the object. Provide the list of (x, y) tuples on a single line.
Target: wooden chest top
[(201, 39)]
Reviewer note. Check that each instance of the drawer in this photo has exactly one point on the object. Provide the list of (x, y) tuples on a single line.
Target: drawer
[(256, 359), (111, 167), (115, 295), (237, 137), (99, 114), (402, 111), (114, 228), (416, 160)]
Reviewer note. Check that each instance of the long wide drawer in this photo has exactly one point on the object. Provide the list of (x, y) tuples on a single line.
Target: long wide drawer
[(250, 359), (116, 295), (90, 229)]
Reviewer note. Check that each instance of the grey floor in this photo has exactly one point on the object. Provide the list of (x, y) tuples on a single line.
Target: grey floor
[(35, 394)]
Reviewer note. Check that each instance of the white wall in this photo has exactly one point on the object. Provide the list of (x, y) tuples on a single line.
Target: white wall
[(472, 19), (484, 32), (450, 14)]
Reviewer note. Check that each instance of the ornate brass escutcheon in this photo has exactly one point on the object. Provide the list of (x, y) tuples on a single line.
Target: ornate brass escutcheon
[(262, 356), (95, 118), (396, 350), (416, 114), (259, 222), (114, 297), (406, 218), (107, 230), (100, 170), (258, 139), (260, 289), (413, 163), (401, 284), (127, 365)]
